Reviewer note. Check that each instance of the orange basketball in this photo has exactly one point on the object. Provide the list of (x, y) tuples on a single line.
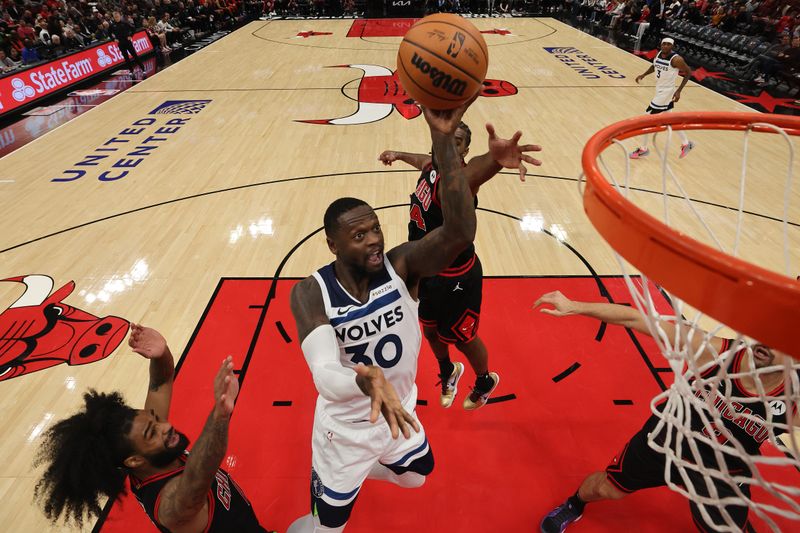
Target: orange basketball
[(442, 61)]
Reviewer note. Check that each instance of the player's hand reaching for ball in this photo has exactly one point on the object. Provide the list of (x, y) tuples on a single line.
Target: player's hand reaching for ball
[(639, 78), (445, 122), (384, 400), (388, 157), (226, 389), (562, 306), (147, 342), (509, 154)]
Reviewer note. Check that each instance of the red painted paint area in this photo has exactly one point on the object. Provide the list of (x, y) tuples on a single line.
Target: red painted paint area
[(503, 466), (380, 27)]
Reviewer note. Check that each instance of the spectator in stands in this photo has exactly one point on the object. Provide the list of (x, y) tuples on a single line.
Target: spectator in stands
[(157, 37), (6, 63), (164, 26), (766, 62), (15, 56), (29, 53)]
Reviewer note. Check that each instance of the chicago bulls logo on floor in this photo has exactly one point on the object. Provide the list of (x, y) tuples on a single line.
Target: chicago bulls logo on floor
[(379, 92), (39, 330)]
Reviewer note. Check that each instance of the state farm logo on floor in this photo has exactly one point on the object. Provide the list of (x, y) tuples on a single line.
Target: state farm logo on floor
[(584, 64)]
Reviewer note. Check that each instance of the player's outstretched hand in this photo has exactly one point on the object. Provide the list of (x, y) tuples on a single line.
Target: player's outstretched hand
[(384, 400), (562, 306), (226, 389), (639, 78), (147, 342), (509, 154), (446, 121), (388, 157)]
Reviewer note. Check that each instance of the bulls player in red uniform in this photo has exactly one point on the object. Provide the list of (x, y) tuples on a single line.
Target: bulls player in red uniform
[(638, 466), (88, 455), (450, 303)]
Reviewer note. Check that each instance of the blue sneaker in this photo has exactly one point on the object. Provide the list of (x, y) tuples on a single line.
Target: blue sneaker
[(559, 518)]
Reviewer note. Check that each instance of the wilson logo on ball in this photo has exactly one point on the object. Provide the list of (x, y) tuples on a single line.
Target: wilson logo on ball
[(440, 80)]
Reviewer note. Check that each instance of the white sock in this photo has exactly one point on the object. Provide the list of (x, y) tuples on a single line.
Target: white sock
[(310, 524), (408, 480)]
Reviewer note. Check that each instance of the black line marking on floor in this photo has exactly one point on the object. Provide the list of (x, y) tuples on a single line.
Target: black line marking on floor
[(237, 89), (282, 403), (422, 402), (283, 333), (623, 402), (339, 174), (661, 369), (499, 399), (238, 372), (255, 306), (575, 366)]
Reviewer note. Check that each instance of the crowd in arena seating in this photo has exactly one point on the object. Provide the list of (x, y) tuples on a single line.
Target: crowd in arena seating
[(755, 40), (32, 31)]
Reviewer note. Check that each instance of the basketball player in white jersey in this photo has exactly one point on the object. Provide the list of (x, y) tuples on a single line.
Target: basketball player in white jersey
[(667, 65), (358, 327)]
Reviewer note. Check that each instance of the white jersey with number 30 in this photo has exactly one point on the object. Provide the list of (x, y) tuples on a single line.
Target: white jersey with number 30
[(384, 331)]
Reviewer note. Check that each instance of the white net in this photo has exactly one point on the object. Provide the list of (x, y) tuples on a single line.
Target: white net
[(727, 424)]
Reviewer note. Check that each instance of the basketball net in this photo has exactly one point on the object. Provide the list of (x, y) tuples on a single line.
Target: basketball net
[(665, 240)]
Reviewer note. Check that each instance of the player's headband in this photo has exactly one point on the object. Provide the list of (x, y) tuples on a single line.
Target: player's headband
[(667, 40)]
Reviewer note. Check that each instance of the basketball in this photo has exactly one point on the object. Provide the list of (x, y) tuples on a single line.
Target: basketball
[(442, 61)]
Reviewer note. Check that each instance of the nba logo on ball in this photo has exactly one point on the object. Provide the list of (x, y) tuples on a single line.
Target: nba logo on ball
[(442, 61)]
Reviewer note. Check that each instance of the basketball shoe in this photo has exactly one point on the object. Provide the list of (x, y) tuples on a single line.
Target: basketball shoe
[(450, 385), (636, 154), (478, 397), (559, 518)]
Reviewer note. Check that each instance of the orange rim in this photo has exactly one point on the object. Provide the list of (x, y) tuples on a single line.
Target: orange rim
[(754, 301)]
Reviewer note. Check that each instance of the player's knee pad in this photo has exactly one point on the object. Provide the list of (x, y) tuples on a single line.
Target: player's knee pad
[(421, 465)]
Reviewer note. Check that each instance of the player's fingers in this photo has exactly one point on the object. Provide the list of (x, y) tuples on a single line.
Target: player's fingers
[(490, 131), (522, 171), (530, 148), (376, 409), (531, 160), (515, 138), (549, 311), (411, 420), (403, 426), (392, 419)]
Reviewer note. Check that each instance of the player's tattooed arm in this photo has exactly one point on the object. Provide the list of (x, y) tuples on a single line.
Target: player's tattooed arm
[(307, 307), (184, 500), (431, 254), (151, 345), (418, 161), (503, 153)]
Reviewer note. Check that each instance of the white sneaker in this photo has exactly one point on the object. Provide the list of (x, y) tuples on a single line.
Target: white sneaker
[(450, 385)]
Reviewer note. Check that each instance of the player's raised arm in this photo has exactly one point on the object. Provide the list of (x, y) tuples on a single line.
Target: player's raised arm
[(503, 153), (151, 345), (417, 161), (431, 254), (184, 500), (556, 304)]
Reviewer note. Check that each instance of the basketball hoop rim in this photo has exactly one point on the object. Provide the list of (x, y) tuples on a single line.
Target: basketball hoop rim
[(757, 302)]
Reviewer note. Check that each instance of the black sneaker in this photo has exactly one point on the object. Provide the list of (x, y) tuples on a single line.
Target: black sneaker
[(559, 518)]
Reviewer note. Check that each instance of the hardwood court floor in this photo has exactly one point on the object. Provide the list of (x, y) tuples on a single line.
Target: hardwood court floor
[(205, 172)]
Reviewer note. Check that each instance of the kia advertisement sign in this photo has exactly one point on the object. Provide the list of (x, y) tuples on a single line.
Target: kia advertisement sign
[(27, 86)]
